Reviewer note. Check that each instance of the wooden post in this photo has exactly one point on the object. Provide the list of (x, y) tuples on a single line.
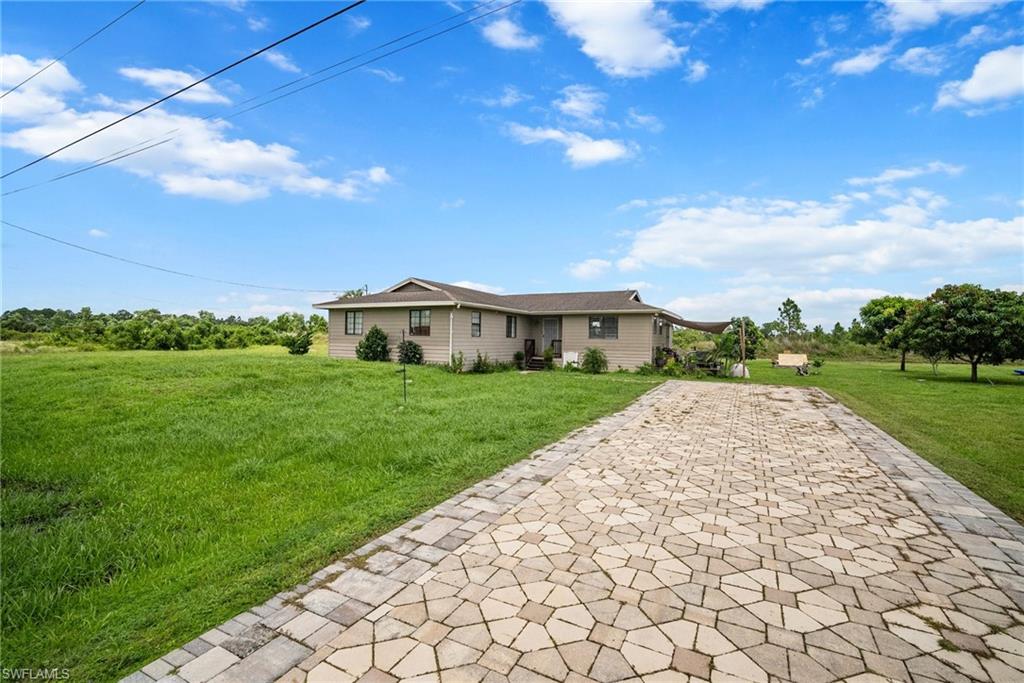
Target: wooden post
[(743, 342)]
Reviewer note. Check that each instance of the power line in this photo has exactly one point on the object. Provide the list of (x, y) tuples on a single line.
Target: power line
[(160, 268), (189, 86), (172, 133), (78, 45)]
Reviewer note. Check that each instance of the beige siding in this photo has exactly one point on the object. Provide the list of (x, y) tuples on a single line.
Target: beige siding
[(665, 339), (492, 339), (392, 321), (632, 349)]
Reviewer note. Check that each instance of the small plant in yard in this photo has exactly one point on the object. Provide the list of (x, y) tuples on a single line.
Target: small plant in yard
[(410, 353), (520, 359), (594, 361), (374, 346), (817, 363), (298, 344), (549, 358), (456, 363), (482, 364)]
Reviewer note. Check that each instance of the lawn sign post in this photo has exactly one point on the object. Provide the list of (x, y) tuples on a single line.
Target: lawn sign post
[(405, 381)]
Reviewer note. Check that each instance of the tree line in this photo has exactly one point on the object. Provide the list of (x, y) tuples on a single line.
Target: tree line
[(151, 330), (966, 323)]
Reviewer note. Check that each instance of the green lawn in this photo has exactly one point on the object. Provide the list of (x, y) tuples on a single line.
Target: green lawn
[(148, 496), (974, 432)]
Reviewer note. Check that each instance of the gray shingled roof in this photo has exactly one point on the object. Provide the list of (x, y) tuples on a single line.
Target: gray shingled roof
[(553, 302)]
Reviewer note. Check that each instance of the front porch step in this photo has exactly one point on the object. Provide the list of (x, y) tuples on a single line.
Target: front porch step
[(535, 363)]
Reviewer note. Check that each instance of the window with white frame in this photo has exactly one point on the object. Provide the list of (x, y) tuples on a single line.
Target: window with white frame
[(474, 323)]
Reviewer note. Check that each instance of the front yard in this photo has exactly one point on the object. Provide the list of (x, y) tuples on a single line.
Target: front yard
[(150, 495)]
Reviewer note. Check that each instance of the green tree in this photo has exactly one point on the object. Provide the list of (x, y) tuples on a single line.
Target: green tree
[(789, 318), (838, 333), (318, 324), (771, 329), (882, 323), (970, 323), (753, 339), (298, 344), (374, 345)]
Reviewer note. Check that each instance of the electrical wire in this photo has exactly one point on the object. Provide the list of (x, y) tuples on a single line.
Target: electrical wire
[(171, 134), (177, 92), (161, 269), (78, 45)]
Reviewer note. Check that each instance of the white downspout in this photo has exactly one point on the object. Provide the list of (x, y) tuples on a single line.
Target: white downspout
[(451, 328)]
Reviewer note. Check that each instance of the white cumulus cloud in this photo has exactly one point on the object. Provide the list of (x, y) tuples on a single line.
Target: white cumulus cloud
[(581, 150), (696, 71), (895, 174), (926, 61), (166, 81), (865, 61), (626, 39), (590, 269), (507, 34), (43, 95), (818, 237), (908, 15), (997, 77), (282, 61), (583, 103), (634, 119), (202, 159), (510, 96)]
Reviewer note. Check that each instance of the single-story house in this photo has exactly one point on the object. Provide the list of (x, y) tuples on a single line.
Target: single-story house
[(446, 319)]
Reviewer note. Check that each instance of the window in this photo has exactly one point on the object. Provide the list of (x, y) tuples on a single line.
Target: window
[(511, 323), (353, 322), (419, 322), (474, 323), (604, 327), (659, 327)]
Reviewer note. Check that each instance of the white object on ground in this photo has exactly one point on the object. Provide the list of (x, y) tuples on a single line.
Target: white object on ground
[(739, 370)]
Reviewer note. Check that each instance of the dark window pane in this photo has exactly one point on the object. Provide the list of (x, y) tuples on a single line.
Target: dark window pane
[(419, 322)]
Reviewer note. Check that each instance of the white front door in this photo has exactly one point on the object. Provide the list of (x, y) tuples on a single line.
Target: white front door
[(549, 332)]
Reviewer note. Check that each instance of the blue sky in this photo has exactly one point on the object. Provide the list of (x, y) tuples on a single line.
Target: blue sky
[(718, 156)]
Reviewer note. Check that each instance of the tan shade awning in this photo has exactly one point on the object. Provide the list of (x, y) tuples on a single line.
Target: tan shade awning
[(714, 328)]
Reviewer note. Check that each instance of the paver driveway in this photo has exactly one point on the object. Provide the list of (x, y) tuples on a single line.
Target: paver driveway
[(717, 532)]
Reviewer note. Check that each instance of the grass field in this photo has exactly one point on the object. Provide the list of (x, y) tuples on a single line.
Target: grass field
[(148, 496), (974, 432)]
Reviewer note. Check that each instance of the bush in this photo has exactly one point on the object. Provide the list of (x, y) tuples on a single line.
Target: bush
[(594, 361), (374, 346), (549, 358), (520, 359), (298, 344), (456, 363), (410, 353), (482, 364)]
